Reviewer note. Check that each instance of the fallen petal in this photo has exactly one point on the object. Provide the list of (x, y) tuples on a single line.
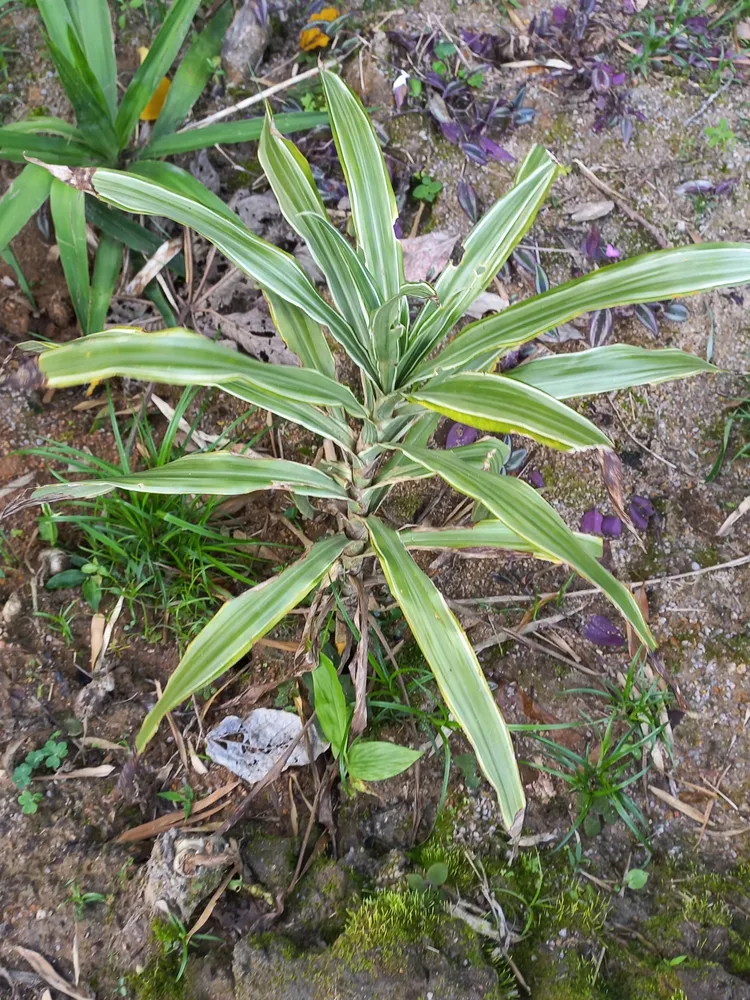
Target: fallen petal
[(603, 632)]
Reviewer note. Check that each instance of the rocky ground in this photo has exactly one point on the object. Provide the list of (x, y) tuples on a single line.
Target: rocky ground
[(411, 891)]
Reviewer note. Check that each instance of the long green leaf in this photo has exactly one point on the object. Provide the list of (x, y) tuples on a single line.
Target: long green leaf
[(59, 24), (457, 671), (44, 124), (240, 623), (272, 268), (25, 196), (302, 335), (182, 357), (523, 510), (487, 534), (486, 249), (215, 473), (12, 261), (174, 178), (224, 133), (373, 203), (17, 145), (126, 230), (69, 217), (330, 704), (107, 267), (418, 436), (378, 760), (84, 93), (192, 74), (290, 409), (155, 66), (605, 369), (662, 275), (94, 25), (493, 403)]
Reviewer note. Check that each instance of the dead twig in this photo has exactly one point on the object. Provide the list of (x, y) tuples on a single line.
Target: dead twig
[(618, 199)]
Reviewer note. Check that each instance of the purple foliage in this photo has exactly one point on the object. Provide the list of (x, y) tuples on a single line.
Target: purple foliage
[(641, 511), (536, 479), (467, 199), (591, 522), (603, 632), (494, 151), (485, 45), (600, 327), (461, 434), (645, 314), (706, 189), (611, 526)]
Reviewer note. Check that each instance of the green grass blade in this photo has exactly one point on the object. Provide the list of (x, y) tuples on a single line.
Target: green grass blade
[(492, 403), (486, 249), (302, 335), (272, 268), (487, 534), (174, 178), (16, 146), (12, 261), (107, 266), (59, 24), (225, 133), (192, 74), (25, 196), (217, 473), (233, 630), (69, 217), (130, 233), (457, 671), (373, 203), (155, 66), (606, 369), (181, 357), (652, 277), (41, 124), (94, 25), (523, 510), (88, 100)]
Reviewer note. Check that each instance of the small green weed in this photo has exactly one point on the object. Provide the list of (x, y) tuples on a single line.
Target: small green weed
[(169, 555), (176, 942), (50, 756), (720, 135), (80, 899), (184, 797), (61, 621), (737, 422), (426, 189)]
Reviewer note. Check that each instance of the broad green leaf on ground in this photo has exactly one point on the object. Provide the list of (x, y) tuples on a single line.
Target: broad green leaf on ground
[(665, 274), (492, 403), (523, 510), (17, 146), (487, 534), (216, 473), (605, 369), (155, 66), (457, 671), (181, 357), (241, 622), (192, 74), (330, 704), (25, 196), (374, 210), (376, 760), (69, 217), (223, 133)]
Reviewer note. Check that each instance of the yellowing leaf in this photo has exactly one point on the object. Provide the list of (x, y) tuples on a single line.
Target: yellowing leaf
[(313, 38), (153, 109)]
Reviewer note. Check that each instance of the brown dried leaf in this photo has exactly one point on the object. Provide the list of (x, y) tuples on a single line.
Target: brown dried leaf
[(425, 257), (45, 971)]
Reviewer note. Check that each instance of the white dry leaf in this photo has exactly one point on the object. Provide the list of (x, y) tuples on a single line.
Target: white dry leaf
[(487, 302), (251, 746), (591, 210), (734, 517), (45, 971)]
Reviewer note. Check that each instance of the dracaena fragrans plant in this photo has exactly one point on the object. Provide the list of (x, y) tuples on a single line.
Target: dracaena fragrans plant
[(80, 40), (411, 373)]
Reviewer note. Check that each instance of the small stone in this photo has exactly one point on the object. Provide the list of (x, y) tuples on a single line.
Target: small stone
[(695, 565), (244, 45), (12, 608)]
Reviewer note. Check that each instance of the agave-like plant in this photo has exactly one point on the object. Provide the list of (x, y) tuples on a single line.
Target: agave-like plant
[(80, 41), (381, 437)]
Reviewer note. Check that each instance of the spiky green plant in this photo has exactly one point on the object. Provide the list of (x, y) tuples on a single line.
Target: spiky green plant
[(80, 40), (409, 376)]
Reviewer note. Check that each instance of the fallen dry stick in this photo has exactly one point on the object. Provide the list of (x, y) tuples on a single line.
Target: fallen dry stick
[(590, 176)]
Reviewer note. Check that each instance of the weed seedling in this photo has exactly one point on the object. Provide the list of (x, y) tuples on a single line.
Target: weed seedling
[(184, 797), (720, 136), (80, 899), (51, 756), (177, 941), (61, 621), (427, 189)]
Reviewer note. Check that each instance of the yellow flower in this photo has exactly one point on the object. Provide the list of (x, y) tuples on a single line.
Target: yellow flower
[(153, 109), (314, 38)]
